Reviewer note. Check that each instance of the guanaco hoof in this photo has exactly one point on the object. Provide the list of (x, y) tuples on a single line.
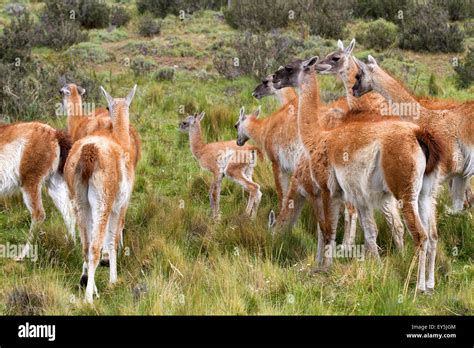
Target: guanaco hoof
[(105, 262)]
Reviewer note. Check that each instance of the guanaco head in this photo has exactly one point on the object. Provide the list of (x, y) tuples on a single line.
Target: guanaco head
[(72, 98), (292, 74), (119, 106), (191, 122), (339, 60), (265, 88), (242, 125), (367, 77)]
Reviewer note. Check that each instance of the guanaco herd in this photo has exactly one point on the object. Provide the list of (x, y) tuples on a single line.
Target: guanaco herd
[(357, 152)]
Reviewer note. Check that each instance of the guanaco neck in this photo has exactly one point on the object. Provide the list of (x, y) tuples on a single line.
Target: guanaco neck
[(121, 126), (256, 130), (348, 77), (73, 110), (391, 89), (308, 107), (285, 95), (196, 141)]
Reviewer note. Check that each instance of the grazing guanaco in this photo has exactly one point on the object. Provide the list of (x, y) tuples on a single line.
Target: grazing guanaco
[(367, 164), (346, 67), (100, 174), (224, 159), (33, 154)]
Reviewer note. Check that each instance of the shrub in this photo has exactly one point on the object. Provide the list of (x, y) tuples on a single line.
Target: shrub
[(94, 14), (378, 34), (141, 65), (149, 26), (387, 9), (258, 15), (256, 55), (465, 70), (326, 18), (59, 25), (161, 8), (89, 52), (164, 74), (426, 28), (119, 16), (15, 41), (457, 9)]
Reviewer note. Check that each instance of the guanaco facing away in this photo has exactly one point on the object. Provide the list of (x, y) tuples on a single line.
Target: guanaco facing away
[(224, 159), (33, 154), (80, 125), (100, 174)]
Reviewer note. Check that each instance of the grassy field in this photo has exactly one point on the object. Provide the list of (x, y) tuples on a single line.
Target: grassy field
[(176, 260)]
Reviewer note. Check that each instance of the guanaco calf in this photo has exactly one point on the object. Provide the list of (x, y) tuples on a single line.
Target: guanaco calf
[(222, 159), (100, 174), (366, 164), (33, 154)]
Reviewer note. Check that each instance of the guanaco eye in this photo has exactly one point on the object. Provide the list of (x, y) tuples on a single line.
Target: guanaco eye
[(236, 126), (358, 77), (335, 59)]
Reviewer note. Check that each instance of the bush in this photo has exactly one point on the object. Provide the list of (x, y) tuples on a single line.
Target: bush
[(326, 18), (59, 25), (119, 16), (457, 9), (32, 92), (149, 26), (426, 28), (141, 65), (161, 8), (465, 70), (258, 15), (256, 55), (387, 9), (94, 14), (15, 41), (164, 74), (378, 34)]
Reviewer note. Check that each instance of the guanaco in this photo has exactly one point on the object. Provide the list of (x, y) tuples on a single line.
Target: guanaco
[(100, 174), (299, 189), (224, 159), (454, 125), (367, 164), (33, 154), (346, 67)]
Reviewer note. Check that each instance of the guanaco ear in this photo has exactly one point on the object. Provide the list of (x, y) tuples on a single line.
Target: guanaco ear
[(130, 95), (372, 63), (242, 113), (110, 100), (200, 116), (311, 61), (348, 50), (81, 90), (340, 45), (258, 111), (271, 219)]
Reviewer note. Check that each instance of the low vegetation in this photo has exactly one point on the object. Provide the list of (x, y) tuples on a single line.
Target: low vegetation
[(176, 259)]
